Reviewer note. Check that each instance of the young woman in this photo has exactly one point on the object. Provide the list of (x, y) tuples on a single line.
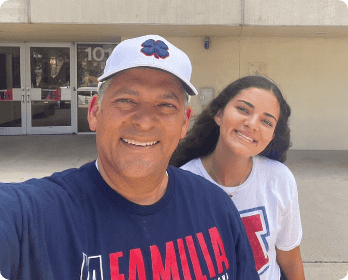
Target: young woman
[(239, 142)]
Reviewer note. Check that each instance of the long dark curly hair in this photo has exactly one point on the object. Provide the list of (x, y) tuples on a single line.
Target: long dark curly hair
[(202, 138)]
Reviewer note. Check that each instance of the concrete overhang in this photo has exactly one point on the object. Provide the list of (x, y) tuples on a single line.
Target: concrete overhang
[(21, 32)]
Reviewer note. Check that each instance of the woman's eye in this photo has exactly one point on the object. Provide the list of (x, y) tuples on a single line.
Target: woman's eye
[(268, 123), (242, 109)]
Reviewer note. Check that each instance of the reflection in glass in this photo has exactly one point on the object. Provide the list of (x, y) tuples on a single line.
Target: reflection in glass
[(10, 108), (50, 67), (10, 114), (51, 113), (83, 99), (50, 83), (91, 59)]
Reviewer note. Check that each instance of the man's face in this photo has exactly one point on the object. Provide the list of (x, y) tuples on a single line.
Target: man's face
[(141, 121)]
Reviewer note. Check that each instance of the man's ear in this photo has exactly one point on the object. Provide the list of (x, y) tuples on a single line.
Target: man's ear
[(218, 117), (188, 115), (93, 110)]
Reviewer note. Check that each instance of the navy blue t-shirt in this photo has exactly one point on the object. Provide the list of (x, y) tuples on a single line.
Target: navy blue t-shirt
[(72, 225)]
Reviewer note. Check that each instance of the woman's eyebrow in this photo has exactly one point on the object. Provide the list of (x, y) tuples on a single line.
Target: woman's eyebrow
[(269, 115), (252, 106), (247, 103)]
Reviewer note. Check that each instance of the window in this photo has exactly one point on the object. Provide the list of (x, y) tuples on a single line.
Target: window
[(91, 60)]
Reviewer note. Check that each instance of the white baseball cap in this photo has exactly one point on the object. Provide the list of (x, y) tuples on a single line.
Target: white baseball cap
[(150, 51)]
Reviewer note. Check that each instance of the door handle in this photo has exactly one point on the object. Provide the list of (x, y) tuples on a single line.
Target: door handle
[(28, 94), (23, 94)]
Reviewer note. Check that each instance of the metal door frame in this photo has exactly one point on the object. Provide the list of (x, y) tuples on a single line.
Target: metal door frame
[(23, 129), (51, 129)]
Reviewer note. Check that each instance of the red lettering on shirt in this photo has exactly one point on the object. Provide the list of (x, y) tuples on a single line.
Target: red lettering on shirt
[(136, 265), (194, 259), (206, 255), (219, 249), (171, 265), (114, 266), (184, 262)]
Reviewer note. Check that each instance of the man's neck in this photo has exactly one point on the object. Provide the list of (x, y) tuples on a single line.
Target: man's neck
[(142, 191)]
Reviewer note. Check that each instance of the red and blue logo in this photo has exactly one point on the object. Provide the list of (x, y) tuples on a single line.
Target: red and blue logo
[(158, 49)]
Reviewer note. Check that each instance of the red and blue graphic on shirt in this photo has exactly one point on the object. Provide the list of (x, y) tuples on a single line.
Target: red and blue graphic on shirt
[(256, 226), (180, 255)]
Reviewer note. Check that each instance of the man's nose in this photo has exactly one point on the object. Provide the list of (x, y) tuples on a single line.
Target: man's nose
[(145, 116)]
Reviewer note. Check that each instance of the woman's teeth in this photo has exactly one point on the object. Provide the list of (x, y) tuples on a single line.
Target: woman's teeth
[(245, 137)]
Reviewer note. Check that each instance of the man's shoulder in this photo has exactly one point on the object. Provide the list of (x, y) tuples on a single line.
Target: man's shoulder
[(55, 183), (73, 174)]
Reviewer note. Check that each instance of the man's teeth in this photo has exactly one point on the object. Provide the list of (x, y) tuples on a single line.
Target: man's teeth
[(143, 144), (245, 137)]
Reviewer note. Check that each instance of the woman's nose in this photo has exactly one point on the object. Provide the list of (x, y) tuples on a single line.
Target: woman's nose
[(252, 122)]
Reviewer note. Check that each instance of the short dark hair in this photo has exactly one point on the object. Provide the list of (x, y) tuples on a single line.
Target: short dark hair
[(202, 138)]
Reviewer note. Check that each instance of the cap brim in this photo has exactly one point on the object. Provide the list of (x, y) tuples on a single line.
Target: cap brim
[(190, 89)]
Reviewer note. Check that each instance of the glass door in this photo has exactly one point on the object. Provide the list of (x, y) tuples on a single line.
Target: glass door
[(91, 60), (12, 91), (48, 89)]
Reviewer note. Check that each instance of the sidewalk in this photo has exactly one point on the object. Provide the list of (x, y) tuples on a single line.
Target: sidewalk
[(322, 178)]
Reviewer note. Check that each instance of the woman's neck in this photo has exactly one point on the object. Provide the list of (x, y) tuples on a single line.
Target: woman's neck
[(227, 169)]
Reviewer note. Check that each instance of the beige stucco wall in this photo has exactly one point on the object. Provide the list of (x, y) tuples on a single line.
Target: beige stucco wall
[(295, 12), (313, 74), (137, 11), (178, 12), (14, 11)]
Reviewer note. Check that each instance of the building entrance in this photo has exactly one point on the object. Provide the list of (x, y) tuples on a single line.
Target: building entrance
[(35, 89), (46, 88)]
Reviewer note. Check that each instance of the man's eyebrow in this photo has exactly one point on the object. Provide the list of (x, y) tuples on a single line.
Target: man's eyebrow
[(125, 91), (128, 91), (252, 106), (169, 95)]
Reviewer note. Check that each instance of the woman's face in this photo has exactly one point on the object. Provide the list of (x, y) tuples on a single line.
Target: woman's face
[(248, 122)]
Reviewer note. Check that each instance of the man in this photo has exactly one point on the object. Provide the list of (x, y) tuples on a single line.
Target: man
[(127, 215)]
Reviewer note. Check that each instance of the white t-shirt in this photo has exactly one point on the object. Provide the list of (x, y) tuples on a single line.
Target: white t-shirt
[(268, 205)]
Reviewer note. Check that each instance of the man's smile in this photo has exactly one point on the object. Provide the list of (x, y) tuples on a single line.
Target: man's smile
[(137, 143)]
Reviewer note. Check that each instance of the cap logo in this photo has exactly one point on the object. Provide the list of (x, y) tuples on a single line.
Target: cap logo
[(156, 48)]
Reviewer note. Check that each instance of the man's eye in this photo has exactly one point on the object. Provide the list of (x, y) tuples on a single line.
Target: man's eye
[(167, 105), (124, 100)]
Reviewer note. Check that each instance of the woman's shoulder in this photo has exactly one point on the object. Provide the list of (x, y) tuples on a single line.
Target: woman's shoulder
[(272, 167), (193, 165)]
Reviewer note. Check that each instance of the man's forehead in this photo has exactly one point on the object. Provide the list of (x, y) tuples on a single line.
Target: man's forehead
[(140, 73)]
